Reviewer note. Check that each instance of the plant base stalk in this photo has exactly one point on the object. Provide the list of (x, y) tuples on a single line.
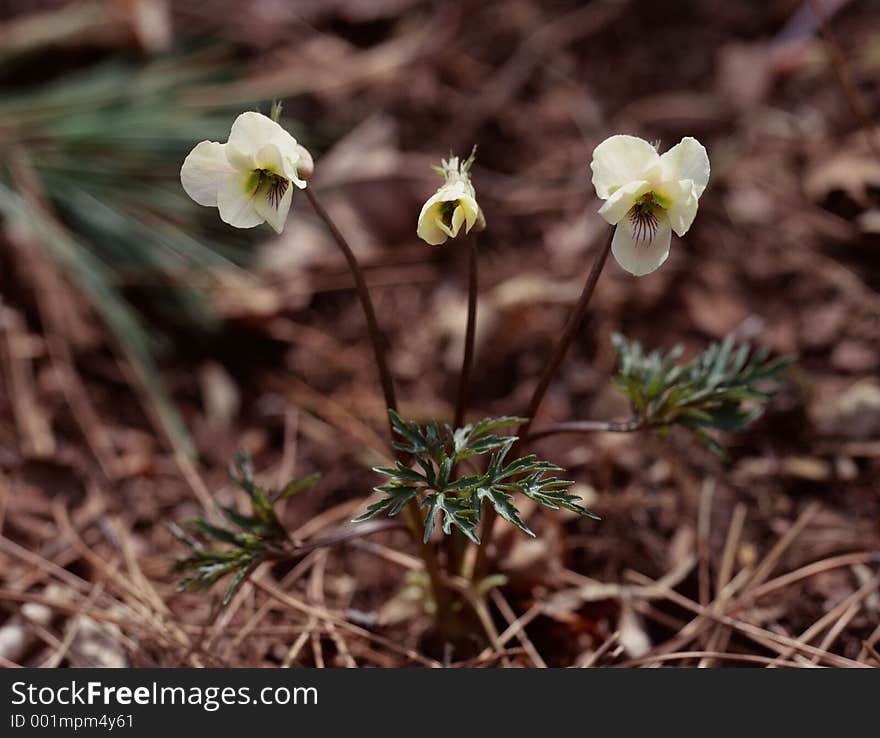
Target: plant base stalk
[(456, 543), (446, 619), (467, 363)]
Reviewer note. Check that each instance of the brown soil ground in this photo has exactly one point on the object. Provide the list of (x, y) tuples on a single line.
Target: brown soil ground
[(770, 557)]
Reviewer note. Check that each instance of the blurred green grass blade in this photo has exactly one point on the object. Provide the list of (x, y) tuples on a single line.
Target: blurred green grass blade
[(92, 277), (106, 143)]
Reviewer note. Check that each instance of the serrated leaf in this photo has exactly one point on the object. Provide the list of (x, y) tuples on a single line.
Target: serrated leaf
[(398, 497), (503, 504), (401, 472), (254, 538), (212, 531), (487, 425), (482, 446), (549, 494), (706, 392), (239, 579), (295, 487), (463, 517), (432, 502), (463, 484)]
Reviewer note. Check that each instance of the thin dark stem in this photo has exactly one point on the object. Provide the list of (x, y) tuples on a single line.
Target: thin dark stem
[(347, 533), (456, 544), (445, 614), (366, 302), (575, 318), (587, 426), (469, 335)]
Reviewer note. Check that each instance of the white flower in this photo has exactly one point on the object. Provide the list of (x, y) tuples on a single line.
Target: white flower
[(452, 206), (647, 196), (248, 178)]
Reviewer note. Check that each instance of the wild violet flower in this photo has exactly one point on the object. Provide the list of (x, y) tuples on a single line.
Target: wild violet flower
[(248, 178), (452, 206), (647, 196)]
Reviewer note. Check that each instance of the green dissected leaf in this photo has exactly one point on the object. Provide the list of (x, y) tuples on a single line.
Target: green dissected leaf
[(464, 484), (722, 389), (410, 432), (296, 486), (457, 502), (503, 504), (250, 540), (456, 514), (401, 473), (213, 532), (487, 425), (239, 578), (245, 522), (478, 439), (482, 446), (551, 492), (396, 500)]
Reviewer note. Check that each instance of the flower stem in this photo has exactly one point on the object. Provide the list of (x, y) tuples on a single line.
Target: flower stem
[(366, 302), (575, 319), (456, 544), (587, 426), (442, 598), (469, 335)]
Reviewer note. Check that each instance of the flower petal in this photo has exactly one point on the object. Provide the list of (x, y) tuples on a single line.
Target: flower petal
[(687, 160), (280, 160), (243, 162), (683, 207), (269, 157), (290, 160), (618, 204), (470, 212), (619, 160), (235, 200), (252, 131), (429, 227), (458, 216), (275, 217), (203, 170), (640, 257)]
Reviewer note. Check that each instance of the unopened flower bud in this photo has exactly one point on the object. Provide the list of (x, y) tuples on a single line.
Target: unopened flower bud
[(305, 165), (452, 206)]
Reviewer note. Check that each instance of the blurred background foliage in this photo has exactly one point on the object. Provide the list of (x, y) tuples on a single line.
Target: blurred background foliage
[(90, 159)]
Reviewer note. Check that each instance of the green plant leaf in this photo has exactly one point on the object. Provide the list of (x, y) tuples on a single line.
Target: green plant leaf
[(250, 540), (503, 504), (397, 498), (723, 389), (454, 500)]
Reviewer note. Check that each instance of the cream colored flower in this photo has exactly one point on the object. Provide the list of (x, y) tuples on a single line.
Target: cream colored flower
[(452, 206), (248, 178), (647, 196)]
